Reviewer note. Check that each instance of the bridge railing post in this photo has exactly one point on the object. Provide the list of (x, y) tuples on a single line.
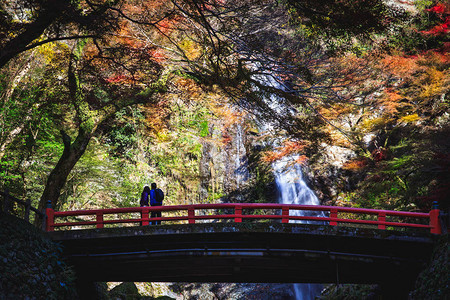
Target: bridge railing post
[(238, 214), (382, 218), (333, 214), (99, 219), (50, 217), (144, 215), (285, 215), (434, 219), (191, 215)]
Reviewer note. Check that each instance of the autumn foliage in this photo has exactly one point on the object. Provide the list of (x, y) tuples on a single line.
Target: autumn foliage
[(442, 11), (183, 65), (288, 148), (355, 164)]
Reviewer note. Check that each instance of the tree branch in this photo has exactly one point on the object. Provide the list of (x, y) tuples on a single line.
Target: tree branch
[(75, 37)]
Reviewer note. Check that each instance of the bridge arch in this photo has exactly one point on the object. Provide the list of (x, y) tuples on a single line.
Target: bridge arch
[(246, 252)]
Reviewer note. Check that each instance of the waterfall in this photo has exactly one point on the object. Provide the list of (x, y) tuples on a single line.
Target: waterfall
[(307, 291), (288, 173), (294, 190)]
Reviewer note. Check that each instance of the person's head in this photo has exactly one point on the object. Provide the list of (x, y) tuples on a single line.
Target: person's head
[(146, 189), (153, 185)]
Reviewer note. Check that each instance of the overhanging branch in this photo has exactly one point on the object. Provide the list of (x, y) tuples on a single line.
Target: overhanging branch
[(75, 37)]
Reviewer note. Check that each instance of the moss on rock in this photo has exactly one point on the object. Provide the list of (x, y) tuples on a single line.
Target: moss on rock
[(433, 282), (31, 265)]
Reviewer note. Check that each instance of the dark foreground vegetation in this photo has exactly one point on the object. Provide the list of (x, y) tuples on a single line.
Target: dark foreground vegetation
[(31, 265)]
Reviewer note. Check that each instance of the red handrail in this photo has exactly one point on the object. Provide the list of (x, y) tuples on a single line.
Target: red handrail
[(238, 215)]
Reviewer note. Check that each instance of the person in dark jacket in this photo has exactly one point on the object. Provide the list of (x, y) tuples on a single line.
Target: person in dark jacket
[(156, 198), (145, 196)]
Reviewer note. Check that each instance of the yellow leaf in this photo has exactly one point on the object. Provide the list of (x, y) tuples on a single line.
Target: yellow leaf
[(410, 118)]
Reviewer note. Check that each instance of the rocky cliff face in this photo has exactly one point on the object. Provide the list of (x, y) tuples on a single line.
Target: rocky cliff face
[(225, 172), (232, 169)]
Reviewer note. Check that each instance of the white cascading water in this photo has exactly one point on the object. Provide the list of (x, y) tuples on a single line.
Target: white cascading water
[(289, 177), (294, 190)]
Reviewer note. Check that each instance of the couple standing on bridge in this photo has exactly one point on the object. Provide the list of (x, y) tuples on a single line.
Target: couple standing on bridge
[(156, 197)]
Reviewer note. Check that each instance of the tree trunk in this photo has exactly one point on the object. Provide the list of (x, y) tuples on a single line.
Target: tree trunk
[(89, 119), (58, 176)]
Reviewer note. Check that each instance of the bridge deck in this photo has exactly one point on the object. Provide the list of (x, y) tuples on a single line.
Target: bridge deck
[(246, 252)]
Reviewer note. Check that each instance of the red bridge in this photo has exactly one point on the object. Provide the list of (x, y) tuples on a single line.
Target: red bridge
[(239, 242), (332, 215)]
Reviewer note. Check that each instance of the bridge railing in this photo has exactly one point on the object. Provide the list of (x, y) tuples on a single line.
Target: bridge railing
[(191, 214), (7, 206)]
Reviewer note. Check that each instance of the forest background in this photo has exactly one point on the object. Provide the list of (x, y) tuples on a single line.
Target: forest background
[(99, 98)]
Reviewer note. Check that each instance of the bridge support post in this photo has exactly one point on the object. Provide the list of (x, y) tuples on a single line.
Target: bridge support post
[(99, 220), (238, 214), (50, 217), (87, 289), (434, 219), (396, 289), (381, 218), (144, 215), (191, 216), (333, 215), (285, 215)]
